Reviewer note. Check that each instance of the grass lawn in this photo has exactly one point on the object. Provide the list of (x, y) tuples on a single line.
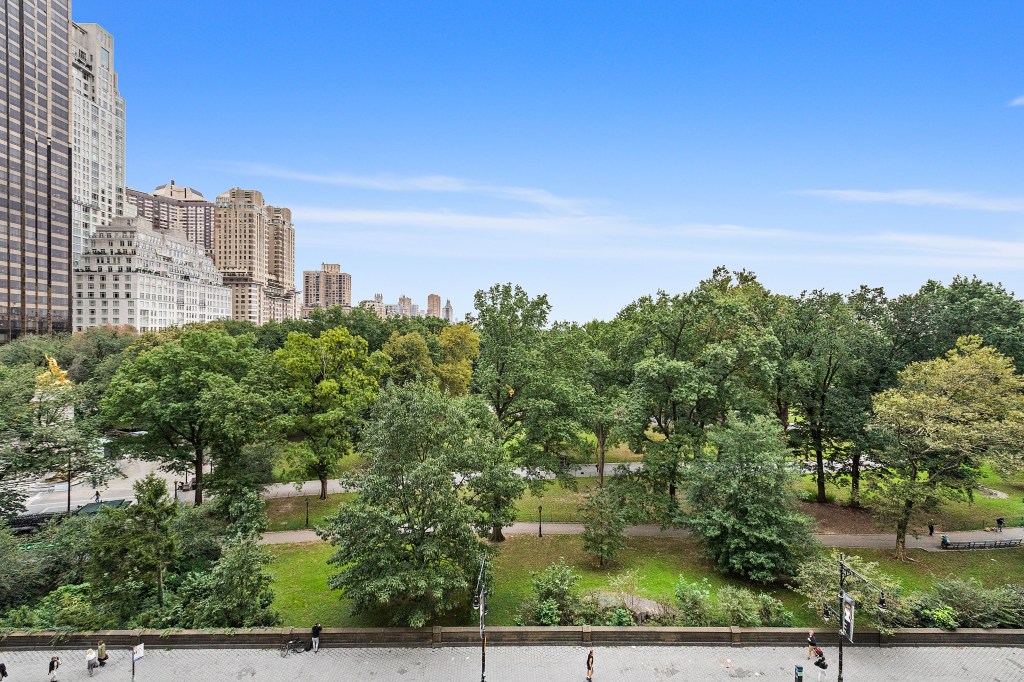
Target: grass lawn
[(289, 513), (301, 570), (992, 567), (300, 587), (560, 504), (981, 512), (658, 563)]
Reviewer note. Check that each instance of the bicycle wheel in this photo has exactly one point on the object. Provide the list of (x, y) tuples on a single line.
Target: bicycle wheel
[(298, 646), (286, 649)]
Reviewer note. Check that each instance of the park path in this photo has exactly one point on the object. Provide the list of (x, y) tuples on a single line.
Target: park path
[(853, 540)]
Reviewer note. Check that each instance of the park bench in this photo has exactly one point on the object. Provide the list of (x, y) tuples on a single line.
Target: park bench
[(979, 544), (26, 523)]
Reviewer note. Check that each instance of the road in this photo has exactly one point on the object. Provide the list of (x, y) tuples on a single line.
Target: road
[(872, 540), (534, 664)]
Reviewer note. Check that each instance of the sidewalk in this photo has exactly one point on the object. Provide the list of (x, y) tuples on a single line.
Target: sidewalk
[(872, 540)]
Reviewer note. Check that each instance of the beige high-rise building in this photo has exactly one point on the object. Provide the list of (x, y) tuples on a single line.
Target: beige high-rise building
[(254, 248), (98, 132), (327, 287), (376, 304), (433, 305), (404, 306), (35, 140), (176, 207), (448, 315)]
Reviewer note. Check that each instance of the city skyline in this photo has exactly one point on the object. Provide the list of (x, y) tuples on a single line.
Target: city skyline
[(598, 153)]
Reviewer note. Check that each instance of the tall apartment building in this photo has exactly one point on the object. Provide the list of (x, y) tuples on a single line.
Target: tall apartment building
[(326, 288), (176, 207), (254, 248), (433, 305), (35, 140), (448, 315), (133, 274), (98, 131)]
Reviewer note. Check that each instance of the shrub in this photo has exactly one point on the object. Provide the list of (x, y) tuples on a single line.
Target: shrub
[(773, 612), (548, 613), (620, 617), (555, 599), (979, 607), (739, 606), (695, 606), (941, 617)]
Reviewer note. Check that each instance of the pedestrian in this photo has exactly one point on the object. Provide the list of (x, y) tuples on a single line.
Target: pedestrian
[(91, 662), (3, 669), (54, 664), (812, 644), (999, 524), (97, 497), (819, 661), (931, 528), (316, 637), (590, 666), (101, 653)]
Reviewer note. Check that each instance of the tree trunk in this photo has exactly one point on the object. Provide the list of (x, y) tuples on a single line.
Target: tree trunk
[(160, 585), (323, 487), (855, 480), (496, 534), (819, 455), (601, 438), (199, 477), (901, 531)]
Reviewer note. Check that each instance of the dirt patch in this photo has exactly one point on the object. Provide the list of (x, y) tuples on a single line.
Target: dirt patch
[(834, 518)]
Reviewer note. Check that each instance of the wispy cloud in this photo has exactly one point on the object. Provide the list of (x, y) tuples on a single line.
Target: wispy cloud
[(1019, 102), (420, 183), (921, 197)]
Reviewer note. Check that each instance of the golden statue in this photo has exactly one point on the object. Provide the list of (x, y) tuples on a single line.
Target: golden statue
[(54, 375)]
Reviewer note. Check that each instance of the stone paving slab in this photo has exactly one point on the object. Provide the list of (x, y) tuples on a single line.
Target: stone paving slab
[(534, 664)]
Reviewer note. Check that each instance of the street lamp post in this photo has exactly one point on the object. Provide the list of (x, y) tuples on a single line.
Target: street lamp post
[(480, 604), (846, 631), (540, 522)]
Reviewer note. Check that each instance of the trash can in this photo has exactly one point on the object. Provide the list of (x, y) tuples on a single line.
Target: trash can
[(798, 674)]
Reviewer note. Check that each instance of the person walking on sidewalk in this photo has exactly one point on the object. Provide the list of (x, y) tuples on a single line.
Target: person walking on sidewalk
[(590, 666), (316, 637), (999, 524), (52, 670), (101, 653), (91, 663), (820, 663), (812, 644), (3, 669), (931, 528)]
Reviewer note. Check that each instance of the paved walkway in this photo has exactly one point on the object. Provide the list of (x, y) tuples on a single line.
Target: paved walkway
[(534, 664), (873, 540)]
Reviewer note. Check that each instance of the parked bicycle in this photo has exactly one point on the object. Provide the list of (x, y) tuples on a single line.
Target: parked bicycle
[(294, 646)]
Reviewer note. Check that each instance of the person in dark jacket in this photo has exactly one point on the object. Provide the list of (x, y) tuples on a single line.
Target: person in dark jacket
[(52, 670), (316, 637), (590, 666), (812, 644)]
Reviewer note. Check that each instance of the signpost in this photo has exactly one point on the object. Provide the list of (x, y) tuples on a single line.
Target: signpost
[(138, 651)]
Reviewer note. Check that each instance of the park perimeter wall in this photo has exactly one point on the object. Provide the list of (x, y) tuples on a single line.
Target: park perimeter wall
[(266, 638)]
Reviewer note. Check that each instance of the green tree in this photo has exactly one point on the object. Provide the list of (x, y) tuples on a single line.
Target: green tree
[(17, 385), (406, 544), (236, 593), (822, 368), (817, 580), (132, 548), (945, 418), (604, 521), (329, 382), (696, 357), (172, 391), (743, 508), (409, 359), (460, 347)]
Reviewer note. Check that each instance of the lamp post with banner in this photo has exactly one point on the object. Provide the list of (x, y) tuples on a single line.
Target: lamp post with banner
[(848, 607), (480, 604)]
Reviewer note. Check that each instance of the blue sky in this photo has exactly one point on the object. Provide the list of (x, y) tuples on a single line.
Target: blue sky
[(594, 151)]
